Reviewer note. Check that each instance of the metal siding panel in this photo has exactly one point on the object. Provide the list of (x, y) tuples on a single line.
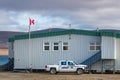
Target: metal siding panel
[(108, 47), (21, 54), (78, 50), (80, 45), (35, 53), (97, 66), (117, 60), (52, 57), (107, 65)]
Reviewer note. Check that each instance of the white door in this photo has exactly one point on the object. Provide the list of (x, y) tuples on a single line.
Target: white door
[(64, 66), (72, 67)]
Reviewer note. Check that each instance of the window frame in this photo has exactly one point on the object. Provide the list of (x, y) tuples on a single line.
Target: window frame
[(95, 44), (65, 45), (44, 45), (90, 45), (54, 45)]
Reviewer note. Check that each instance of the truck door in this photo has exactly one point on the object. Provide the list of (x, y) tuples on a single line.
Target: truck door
[(63, 66), (71, 66)]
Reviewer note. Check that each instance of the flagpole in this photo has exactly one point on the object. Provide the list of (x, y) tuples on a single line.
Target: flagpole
[(31, 22), (29, 46)]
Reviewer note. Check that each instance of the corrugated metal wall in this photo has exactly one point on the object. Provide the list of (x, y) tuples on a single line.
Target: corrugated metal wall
[(107, 64), (117, 60), (78, 51), (21, 54), (108, 47)]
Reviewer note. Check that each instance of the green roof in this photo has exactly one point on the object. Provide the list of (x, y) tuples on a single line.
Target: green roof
[(11, 40), (64, 32), (110, 34)]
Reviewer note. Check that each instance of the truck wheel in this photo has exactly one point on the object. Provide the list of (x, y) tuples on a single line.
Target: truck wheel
[(79, 71), (53, 71)]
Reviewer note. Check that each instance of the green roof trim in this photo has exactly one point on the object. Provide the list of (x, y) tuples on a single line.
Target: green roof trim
[(38, 35), (117, 35), (65, 32), (11, 40), (109, 34), (56, 33), (85, 32)]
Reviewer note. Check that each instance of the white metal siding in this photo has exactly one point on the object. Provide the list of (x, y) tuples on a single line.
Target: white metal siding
[(80, 47), (108, 47), (117, 60), (78, 50), (97, 66), (107, 65), (21, 54)]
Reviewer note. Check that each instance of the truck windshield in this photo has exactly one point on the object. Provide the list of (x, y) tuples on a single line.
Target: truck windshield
[(75, 63)]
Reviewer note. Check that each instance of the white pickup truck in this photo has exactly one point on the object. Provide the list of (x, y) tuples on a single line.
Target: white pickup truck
[(66, 66)]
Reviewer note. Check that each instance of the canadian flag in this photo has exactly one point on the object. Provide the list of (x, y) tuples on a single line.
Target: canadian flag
[(31, 22)]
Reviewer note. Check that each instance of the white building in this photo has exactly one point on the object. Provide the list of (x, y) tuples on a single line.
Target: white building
[(99, 50)]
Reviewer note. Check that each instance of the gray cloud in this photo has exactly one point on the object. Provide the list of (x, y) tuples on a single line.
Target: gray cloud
[(83, 14), (56, 4)]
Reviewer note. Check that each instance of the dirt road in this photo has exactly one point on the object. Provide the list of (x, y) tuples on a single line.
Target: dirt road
[(60, 76)]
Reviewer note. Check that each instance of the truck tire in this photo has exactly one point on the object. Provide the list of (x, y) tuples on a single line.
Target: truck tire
[(79, 71), (53, 71)]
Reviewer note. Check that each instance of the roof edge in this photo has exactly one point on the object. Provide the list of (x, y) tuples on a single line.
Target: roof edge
[(64, 32)]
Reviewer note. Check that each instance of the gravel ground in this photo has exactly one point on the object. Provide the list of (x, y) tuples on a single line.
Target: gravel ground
[(59, 76)]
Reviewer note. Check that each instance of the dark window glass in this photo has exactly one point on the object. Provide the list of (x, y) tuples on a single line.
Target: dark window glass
[(63, 63), (55, 47), (65, 47), (70, 63), (46, 48), (97, 47), (92, 47)]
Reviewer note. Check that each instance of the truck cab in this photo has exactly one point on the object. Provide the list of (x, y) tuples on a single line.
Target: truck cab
[(66, 66)]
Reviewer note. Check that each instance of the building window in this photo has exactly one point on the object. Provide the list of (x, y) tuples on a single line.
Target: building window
[(56, 46), (94, 46), (98, 46), (65, 45), (46, 46)]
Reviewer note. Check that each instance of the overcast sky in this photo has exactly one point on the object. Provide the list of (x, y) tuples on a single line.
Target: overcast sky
[(81, 14)]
